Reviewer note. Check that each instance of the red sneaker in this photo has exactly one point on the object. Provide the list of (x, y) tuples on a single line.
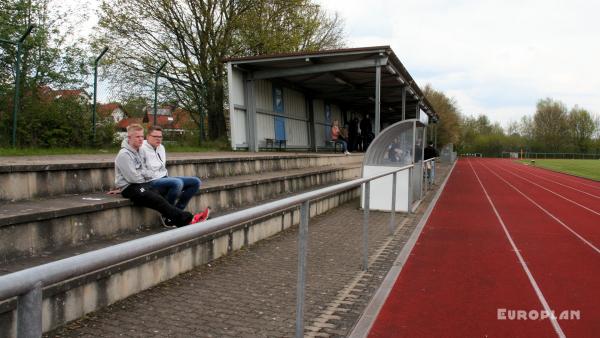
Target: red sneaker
[(201, 217)]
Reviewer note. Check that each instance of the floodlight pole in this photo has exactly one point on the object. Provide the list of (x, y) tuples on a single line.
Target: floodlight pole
[(95, 91), (156, 88), (19, 44)]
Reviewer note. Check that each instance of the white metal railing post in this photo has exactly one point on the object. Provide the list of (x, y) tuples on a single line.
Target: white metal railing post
[(393, 214), (410, 189), (366, 226), (423, 165), (433, 171), (429, 173), (29, 313), (300, 286)]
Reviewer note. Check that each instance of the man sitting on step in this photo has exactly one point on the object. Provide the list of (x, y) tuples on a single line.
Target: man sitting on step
[(178, 190), (132, 178)]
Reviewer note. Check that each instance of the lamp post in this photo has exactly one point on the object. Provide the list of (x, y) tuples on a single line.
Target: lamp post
[(156, 88), (19, 44), (95, 91)]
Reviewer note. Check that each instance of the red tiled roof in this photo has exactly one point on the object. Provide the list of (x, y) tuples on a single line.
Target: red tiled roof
[(69, 92), (124, 123), (179, 119), (106, 109)]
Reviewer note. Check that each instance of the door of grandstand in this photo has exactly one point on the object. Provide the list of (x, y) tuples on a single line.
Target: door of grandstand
[(278, 110)]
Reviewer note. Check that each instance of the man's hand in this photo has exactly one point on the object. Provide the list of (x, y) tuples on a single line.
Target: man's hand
[(114, 192)]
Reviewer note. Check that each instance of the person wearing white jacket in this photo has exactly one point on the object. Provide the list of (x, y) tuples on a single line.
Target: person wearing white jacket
[(132, 181), (178, 190)]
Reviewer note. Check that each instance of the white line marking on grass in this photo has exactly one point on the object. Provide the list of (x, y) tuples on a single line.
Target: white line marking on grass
[(564, 185), (534, 284), (555, 193), (548, 213), (576, 179)]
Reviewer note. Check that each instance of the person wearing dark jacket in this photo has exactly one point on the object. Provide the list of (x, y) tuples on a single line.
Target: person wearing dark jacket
[(353, 134), (430, 152), (366, 131)]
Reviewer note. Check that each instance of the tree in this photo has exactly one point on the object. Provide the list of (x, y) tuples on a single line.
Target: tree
[(51, 56), (483, 125), (513, 128), (194, 36), (287, 26), (550, 124), (479, 135), (135, 105), (581, 127), (448, 127)]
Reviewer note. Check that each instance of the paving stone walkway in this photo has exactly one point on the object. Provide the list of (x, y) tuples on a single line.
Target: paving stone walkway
[(252, 293)]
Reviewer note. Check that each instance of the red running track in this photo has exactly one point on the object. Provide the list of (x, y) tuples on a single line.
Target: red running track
[(504, 239)]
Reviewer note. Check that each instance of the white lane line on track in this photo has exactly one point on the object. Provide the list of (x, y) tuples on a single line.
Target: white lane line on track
[(534, 284), (575, 179), (564, 185), (555, 193), (548, 213)]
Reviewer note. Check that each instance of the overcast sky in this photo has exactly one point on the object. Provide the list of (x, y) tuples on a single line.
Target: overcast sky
[(493, 57)]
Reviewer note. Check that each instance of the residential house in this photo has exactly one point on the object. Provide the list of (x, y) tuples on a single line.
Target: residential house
[(114, 112)]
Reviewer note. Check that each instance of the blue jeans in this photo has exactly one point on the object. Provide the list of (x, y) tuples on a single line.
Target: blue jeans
[(342, 142), (431, 173), (178, 189)]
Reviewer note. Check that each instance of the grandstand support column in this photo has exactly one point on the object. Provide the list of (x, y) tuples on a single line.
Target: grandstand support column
[(393, 213), (312, 126), (418, 110), (251, 131), (377, 126), (367, 190), (403, 103)]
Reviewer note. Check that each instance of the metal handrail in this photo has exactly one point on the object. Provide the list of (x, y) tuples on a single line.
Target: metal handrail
[(27, 284)]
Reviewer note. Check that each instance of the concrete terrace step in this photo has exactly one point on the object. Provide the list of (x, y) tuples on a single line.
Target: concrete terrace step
[(30, 228), (73, 298), (57, 253), (47, 176)]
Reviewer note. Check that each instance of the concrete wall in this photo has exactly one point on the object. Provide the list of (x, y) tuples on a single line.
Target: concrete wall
[(38, 181), (72, 299), (33, 235)]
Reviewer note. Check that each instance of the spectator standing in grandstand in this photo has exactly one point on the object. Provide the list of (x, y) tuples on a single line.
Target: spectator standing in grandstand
[(366, 131), (353, 134)]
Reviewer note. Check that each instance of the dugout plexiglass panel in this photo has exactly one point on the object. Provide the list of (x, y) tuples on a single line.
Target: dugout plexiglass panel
[(398, 145)]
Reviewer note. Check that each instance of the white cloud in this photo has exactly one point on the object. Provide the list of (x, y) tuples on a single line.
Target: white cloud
[(494, 57)]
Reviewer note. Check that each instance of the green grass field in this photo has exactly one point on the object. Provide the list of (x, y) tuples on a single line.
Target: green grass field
[(583, 168)]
